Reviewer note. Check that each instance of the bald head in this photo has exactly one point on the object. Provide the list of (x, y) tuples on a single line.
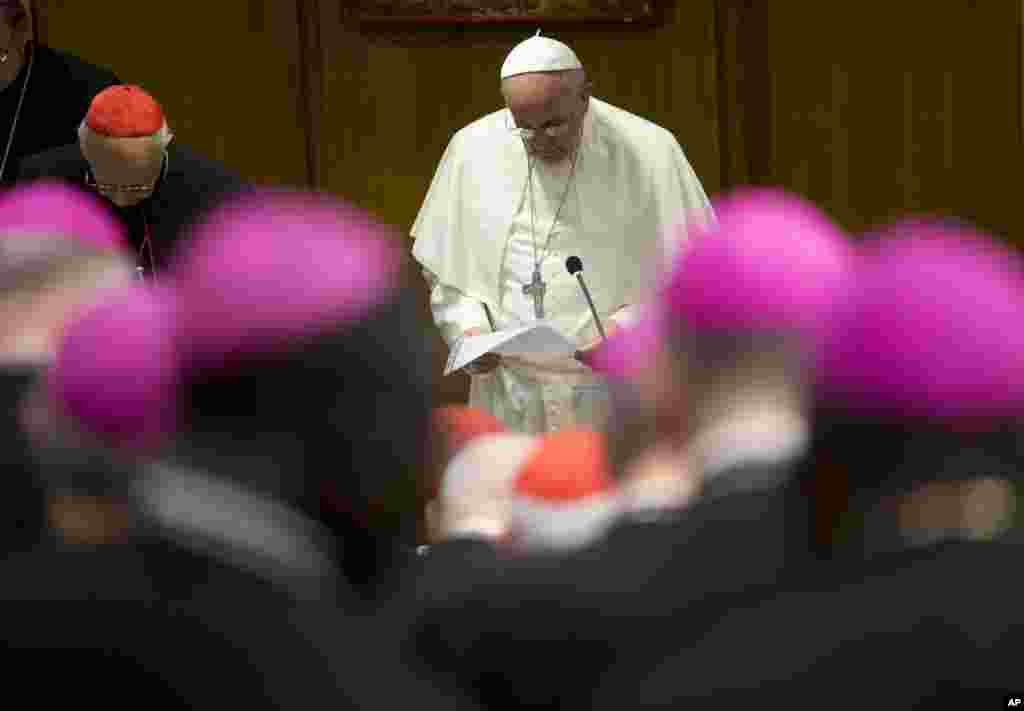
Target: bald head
[(553, 105)]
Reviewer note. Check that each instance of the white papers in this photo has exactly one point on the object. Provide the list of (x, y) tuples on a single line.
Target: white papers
[(537, 340)]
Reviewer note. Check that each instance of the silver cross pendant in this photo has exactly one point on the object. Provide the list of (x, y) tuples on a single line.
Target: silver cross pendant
[(535, 289)]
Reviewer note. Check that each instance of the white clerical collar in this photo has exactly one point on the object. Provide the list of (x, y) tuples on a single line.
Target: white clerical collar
[(759, 433)]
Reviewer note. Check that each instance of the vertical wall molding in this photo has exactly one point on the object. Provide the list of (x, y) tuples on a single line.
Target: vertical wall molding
[(39, 25), (310, 75)]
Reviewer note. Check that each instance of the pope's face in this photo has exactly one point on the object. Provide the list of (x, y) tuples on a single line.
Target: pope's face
[(552, 109)]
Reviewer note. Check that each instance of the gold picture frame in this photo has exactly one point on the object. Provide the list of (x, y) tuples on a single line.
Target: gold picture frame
[(508, 12)]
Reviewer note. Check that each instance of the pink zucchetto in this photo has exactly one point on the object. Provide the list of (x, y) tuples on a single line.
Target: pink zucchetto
[(51, 209), (274, 266), (115, 370), (929, 327), (772, 262)]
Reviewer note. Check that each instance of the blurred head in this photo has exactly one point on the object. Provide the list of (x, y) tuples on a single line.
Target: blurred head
[(103, 399), (304, 364), (564, 496), (110, 395), (476, 490), (456, 426), (920, 375), (124, 138), (114, 377), (746, 301), (59, 252)]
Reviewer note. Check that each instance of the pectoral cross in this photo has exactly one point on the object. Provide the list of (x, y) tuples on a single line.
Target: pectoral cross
[(535, 289)]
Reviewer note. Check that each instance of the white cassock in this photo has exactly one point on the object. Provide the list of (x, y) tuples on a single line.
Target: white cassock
[(632, 190)]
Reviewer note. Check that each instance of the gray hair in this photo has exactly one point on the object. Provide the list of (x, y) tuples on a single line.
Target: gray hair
[(161, 138)]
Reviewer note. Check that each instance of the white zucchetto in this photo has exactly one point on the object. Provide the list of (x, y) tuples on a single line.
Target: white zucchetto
[(539, 54)]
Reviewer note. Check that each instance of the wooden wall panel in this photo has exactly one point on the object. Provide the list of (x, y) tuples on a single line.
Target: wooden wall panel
[(227, 72), (744, 85), (391, 100), (884, 108)]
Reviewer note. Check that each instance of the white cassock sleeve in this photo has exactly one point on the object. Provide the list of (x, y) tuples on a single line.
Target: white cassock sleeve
[(683, 202), (454, 312)]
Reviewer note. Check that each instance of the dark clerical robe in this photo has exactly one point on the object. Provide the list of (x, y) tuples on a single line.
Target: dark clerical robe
[(189, 185), (56, 100)]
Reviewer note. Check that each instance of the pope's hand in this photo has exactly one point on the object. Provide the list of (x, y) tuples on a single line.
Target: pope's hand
[(610, 327), (485, 363)]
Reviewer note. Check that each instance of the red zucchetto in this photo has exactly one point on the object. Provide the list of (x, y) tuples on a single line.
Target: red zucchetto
[(124, 111)]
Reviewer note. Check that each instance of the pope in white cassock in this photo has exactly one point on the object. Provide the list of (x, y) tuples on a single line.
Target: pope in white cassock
[(555, 174)]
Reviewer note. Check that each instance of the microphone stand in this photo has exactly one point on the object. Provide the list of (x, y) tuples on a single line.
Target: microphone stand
[(574, 265)]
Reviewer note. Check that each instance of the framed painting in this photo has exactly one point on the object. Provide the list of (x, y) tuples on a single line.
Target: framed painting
[(463, 12)]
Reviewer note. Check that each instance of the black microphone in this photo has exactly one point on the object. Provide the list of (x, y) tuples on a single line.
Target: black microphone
[(575, 266)]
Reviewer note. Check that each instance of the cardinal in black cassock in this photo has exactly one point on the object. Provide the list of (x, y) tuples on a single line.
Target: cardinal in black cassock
[(124, 152), (44, 92)]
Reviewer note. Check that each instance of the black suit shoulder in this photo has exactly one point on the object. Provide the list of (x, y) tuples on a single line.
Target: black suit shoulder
[(58, 89), (194, 185), (64, 162), (90, 78), (186, 162)]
